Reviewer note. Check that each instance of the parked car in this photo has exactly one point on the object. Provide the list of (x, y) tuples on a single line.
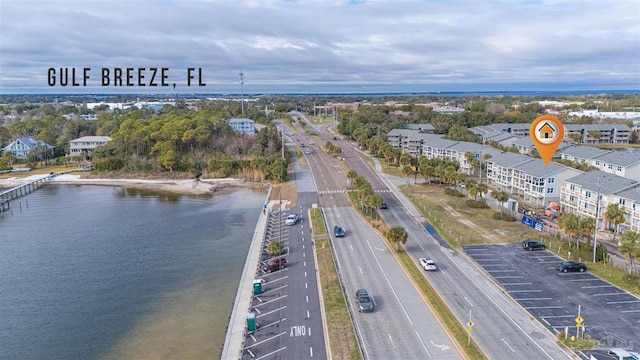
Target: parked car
[(621, 354), (567, 266), (383, 205), (311, 143), (302, 145), (338, 231), (365, 303), (533, 245), (307, 152), (428, 264), (274, 264), (292, 219)]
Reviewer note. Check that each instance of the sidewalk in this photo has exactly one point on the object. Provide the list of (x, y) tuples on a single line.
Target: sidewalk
[(234, 341)]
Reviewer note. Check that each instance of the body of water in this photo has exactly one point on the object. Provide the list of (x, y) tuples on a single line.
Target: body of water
[(91, 272)]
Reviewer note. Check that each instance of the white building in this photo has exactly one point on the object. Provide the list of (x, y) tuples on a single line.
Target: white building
[(21, 147), (243, 125), (86, 144)]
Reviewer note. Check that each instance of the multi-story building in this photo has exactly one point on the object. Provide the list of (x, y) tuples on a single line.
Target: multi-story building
[(539, 184), (243, 125), (630, 200), (580, 194), (500, 169), (436, 147), (398, 137), (86, 144), (580, 153), (598, 133), (425, 128), (459, 152), (619, 163)]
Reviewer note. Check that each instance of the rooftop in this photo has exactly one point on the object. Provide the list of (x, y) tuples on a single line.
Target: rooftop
[(632, 193), (508, 159), (608, 183), (537, 168), (621, 158), (583, 152)]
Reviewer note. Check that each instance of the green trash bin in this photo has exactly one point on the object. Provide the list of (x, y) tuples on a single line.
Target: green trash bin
[(257, 287), (251, 321)]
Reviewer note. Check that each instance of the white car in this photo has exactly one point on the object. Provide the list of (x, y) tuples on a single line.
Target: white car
[(307, 152), (292, 219), (428, 264)]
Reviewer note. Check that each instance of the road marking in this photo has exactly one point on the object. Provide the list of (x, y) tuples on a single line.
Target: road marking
[(303, 246), (422, 248), (272, 311), (305, 274), (359, 268), (628, 311), (607, 294), (304, 254), (545, 320), (310, 352), (272, 300), (531, 299), (543, 307), (521, 291), (306, 285), (468, 301), (308, 316), (583, 279), (559, 316), (517, 283), (271, 353), (595, 286), (623, 302), (351, 247), (304, 263), (510, 348), (307, 298), (265, 340), (390, 339), (441, 347), (492, 271), (507, 277)]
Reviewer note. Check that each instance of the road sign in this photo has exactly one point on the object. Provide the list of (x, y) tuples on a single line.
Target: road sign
[(579, 320), (470, 324), (469, 329)]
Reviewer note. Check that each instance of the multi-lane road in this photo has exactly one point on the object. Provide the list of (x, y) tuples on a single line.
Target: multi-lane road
[(501, 328)]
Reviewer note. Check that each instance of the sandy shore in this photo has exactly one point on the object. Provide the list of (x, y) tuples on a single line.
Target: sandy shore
[(189, 186)]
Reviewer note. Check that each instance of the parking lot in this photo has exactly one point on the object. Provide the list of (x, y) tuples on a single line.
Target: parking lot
[(286, 310), (608, 313)]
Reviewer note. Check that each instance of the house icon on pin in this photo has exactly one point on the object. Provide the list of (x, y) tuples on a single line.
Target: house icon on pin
[(546, 131)]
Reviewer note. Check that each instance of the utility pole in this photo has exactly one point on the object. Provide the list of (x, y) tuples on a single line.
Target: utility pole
[(595, 232), (241, 90)]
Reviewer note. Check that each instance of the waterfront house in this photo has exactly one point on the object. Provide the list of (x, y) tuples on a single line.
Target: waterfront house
[(21, 147), (86, 144)]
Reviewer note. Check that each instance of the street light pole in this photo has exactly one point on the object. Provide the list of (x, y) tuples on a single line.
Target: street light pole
[(595, 232)]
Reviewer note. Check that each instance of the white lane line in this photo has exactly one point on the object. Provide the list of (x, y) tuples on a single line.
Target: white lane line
[(531, 299), (622, 302), (517, 283), (544, 307), (310, 352), (629, 311), (595, 286), (421, 248), (468, 301), (308, 314), (305, 274), (306, 285), (304, 254), (523, 291), (351, 246), (608, 294), (304, 263), (359, 268), (510, 348), (307, 298)]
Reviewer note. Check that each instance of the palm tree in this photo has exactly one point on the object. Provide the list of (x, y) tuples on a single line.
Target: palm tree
[(473, 190), (501, 197), (614, 215), (630, 246), (570, 224), (397, 235), (482, 188), (407, 170)]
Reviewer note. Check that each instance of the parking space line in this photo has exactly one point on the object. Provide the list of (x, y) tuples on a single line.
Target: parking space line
[(271, 353), (531, 299), (607, 294), (492, 271), (523, 291), (630, 311), (508, 277), (517, 283), (622, 302), (586, 279), (595, 286), (503, 265), (265, 340), (272, 300), (272, 311), (559, 316)]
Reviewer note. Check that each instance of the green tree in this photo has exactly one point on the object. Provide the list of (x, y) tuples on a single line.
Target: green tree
[(630, 246), (275, 248), (570, 224), (614, 215), (397, 235), (502, 197), (407, 171)]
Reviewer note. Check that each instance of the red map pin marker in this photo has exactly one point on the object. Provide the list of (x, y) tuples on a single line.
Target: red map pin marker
[(546, 133)]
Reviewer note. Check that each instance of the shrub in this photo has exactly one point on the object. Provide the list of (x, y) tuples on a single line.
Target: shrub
[(475, 204), (500, 216), (453, 192)]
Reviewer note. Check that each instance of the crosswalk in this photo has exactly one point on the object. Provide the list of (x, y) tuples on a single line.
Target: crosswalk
[(342, 191)]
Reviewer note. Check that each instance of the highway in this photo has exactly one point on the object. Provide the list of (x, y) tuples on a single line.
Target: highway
[(402, 326), (502, 329)]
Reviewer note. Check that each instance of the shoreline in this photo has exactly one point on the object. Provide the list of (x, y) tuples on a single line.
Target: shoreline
[(179, 186)]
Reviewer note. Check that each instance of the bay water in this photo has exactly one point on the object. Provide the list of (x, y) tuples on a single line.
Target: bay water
[(97, 272)]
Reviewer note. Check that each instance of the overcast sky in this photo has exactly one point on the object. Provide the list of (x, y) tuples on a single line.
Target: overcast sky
[(325, 46)]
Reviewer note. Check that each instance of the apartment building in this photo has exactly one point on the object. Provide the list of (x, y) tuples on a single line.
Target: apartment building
[(539, 184), (598, 133), (580, 153), (425, 128), (243, 125), (500, 169), (414, 142), (579, 195), (621, 163), (436, 148), (630, 200), (459, 150), (398, 138), (526, 147)]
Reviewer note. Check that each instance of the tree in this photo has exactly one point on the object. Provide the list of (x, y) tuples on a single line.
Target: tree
[(482, 189), (407, 171), (630, 246), (614, 215), (570, 224), (397, 235), (275, 248), (502, 197)]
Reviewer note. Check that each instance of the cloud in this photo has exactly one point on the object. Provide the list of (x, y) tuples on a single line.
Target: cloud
[(435, 45)]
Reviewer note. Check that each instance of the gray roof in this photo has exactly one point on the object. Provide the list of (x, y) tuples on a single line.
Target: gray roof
[(621, 158), (500, 137), (422, 136), (539, 169), (523, 141), (631, 193), (403, 132), (609, 183), (419, 127), (508, 159), (464, 146), (239, 120), (583, 152), (439, 143)]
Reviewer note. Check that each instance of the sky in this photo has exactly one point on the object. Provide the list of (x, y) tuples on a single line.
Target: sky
[(331, 46)]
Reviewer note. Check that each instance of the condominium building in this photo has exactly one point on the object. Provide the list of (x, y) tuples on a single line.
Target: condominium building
[(621, 163), (86, 144)]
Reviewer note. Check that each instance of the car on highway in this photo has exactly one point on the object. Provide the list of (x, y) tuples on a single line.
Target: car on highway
[(533, 245), (311, 143), (571, 266), (302, 145), (307, 152), (364, 301), (273, 264), (292, 219), (338, 231), (428, 264), (383, 205)]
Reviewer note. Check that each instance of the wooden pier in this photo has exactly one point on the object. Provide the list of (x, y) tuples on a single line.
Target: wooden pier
[(7, 196)]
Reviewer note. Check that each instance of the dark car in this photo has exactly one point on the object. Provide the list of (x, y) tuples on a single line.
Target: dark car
[(383, 205), (365, 303), (338, 231), (533, 245), (569, 266), (273, 264)]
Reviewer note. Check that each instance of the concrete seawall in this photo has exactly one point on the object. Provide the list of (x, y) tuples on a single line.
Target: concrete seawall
[(234, 341)]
